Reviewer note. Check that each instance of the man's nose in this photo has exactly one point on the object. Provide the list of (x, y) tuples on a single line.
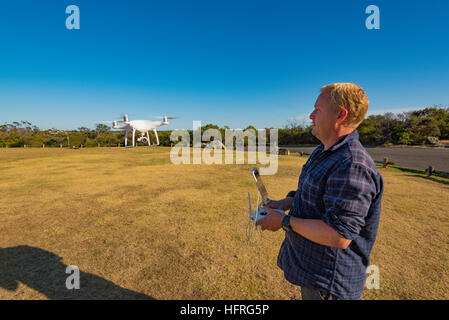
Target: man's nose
[(312, 115)]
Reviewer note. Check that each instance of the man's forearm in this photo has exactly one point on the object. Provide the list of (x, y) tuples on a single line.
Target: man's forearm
[(318, 231)]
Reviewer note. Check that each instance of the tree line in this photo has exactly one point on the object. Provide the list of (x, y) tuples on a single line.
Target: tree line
[(408, 128)]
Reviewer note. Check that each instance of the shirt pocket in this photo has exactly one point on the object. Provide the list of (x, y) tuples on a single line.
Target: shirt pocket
[(311, 185), (311, 194)]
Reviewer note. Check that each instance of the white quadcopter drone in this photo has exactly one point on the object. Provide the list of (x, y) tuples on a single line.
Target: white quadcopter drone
[(143, 126), (259, 213)]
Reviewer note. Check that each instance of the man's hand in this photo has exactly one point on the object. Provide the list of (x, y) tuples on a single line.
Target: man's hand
[(272, 221), (284, 204)]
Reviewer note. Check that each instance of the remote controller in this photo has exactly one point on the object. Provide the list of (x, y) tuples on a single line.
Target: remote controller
[(261, 213)]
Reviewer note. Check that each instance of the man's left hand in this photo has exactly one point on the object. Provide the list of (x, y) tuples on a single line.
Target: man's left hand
[(272, 221)]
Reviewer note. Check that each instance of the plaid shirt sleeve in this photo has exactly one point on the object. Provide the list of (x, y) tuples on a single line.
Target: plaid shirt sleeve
[(348, 195)]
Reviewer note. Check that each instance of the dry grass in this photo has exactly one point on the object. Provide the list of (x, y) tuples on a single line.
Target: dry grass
[(128, 218)]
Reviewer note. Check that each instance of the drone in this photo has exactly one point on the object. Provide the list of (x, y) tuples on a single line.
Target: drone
[(259, 213), (143, 126)]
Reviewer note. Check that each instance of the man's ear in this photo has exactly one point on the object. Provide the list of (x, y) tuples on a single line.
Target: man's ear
[(342, 115)]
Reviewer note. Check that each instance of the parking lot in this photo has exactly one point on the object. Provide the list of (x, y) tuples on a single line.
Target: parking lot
[(409, 157)]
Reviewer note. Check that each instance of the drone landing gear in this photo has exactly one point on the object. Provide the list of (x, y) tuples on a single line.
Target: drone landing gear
[(134, 137), (157, 138), (126, 138)]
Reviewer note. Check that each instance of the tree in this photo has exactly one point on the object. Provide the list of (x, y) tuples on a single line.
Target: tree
[(403, 138), (102, 128)]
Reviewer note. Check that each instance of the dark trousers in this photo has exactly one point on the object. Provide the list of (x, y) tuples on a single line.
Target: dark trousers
[(312, 294)]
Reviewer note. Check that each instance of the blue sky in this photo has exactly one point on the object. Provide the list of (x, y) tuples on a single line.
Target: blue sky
[(229, 62)]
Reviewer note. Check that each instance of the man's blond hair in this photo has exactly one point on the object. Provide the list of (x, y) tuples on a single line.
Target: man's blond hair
[(351, 97)]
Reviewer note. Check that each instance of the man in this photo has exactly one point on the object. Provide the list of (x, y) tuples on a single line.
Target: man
[(334, 213)]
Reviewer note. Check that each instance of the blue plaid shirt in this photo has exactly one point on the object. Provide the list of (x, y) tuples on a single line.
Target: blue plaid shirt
[(342, 187)]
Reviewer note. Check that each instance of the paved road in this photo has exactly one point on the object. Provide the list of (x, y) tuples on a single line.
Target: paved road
[(416, 158)]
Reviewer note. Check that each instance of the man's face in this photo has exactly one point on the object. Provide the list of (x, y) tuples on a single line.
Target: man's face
[(324, 118)]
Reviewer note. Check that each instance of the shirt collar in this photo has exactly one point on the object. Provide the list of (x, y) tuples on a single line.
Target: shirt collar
[(354, 135)]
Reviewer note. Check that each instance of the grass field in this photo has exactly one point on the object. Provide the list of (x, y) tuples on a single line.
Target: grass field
[(138, 226)]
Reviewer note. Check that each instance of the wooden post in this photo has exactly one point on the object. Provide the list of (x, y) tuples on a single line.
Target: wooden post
[(430, 171), (385, 162)]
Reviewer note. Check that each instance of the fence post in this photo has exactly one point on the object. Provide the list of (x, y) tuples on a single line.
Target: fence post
[(430, 171), (385, 162)]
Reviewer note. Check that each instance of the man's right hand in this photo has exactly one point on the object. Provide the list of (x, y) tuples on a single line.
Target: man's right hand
[(284, 204)]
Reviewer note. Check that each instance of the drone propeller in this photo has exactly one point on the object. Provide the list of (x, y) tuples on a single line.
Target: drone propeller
[(124, 118), (164, 117)]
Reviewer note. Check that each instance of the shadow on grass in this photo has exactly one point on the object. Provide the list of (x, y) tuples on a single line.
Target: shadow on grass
[(429, 179), (44, 272), (421, 174)]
